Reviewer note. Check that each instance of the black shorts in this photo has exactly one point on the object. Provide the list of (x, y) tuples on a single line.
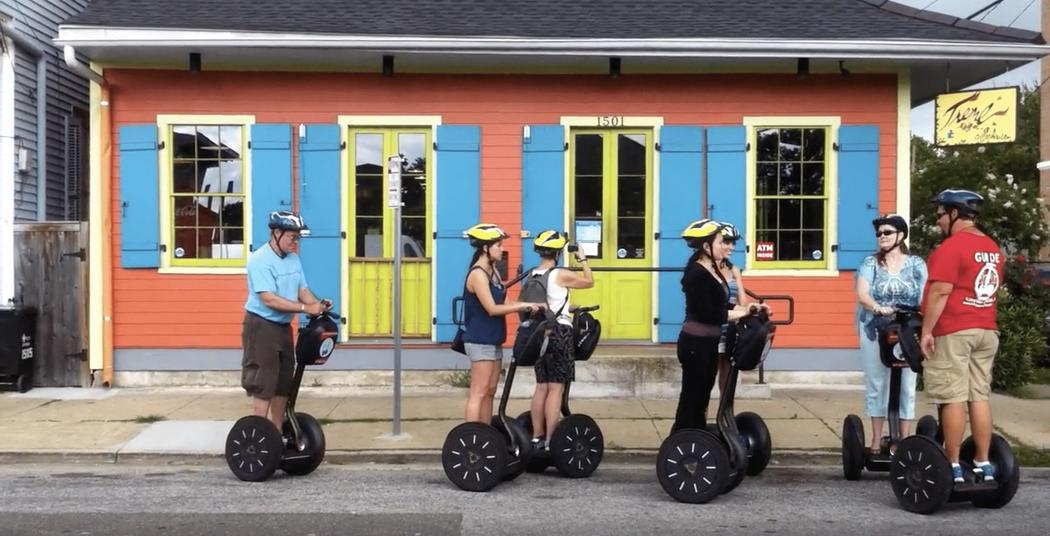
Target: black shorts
[(558, 365), (269, 358)]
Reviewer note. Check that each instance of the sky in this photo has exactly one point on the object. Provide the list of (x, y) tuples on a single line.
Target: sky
[(1024, 14)]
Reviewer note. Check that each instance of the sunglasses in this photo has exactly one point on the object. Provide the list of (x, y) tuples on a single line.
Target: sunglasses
[(295, 239), (885, 233)]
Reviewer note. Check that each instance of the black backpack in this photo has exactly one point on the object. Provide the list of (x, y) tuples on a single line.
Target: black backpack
[(753, 340), (586, 331), (530, 341)]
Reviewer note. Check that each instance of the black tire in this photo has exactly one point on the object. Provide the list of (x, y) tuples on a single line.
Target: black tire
[(474, 456), (929, 427), (692, 466), (852, 447), (23, 383), (254, 449), (515, 464), (756, 438), (305, 462), (1007, 476), (735, 478), (921, 475), (538, 461), (577, 446)]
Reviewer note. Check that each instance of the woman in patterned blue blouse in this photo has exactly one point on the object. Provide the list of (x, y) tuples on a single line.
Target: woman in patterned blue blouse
[(889, 277)]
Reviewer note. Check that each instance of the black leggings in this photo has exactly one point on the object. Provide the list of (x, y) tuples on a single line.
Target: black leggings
[(699, 359)]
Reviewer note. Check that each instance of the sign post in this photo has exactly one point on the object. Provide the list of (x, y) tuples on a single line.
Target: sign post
[(393, 200)]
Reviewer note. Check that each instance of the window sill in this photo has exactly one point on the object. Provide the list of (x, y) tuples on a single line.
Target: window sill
[(203, 270), (795, 272)]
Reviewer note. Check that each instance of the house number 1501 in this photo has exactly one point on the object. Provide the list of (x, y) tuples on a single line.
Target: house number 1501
[(610, 120)]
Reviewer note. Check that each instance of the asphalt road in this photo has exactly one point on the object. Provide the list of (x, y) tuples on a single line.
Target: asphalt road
[(418, 500)]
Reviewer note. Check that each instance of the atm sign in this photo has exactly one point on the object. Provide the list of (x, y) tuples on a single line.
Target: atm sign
[(764, 251)]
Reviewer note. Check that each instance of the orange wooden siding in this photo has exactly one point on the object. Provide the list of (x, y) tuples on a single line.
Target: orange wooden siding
[(152, 310)]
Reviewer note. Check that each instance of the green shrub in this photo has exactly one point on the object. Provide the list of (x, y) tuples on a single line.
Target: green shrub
[(1020, 341)]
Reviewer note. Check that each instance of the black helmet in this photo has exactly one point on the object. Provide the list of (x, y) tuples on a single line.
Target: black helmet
[(893, 220), (966, 202)]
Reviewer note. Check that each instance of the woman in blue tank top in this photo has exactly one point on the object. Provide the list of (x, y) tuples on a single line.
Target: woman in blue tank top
[(484, 328), (737, 295)]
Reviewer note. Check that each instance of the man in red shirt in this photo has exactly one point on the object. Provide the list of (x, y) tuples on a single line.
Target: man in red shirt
[(959, 332)]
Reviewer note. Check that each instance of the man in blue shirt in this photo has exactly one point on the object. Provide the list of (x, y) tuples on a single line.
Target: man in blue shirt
[(277, 290)]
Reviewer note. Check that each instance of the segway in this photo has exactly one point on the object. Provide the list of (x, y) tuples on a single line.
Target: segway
[(695, 466), (898, 348), (577, 444), (921, 474), (478, 456), (255, 449)]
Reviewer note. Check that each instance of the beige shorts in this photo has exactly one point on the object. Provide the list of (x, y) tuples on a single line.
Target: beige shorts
[(961, 367)]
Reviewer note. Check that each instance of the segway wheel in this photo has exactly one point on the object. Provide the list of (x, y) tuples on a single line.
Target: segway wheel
[(302, 463), (474, 456), (692, 466), (539, 461), (921, 475), (759, 443), (577, 446), (852, 447), (928, 426), (1007, 471), (515, 464), (254, 448)]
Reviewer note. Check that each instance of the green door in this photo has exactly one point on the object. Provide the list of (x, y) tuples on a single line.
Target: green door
[(610, 216)]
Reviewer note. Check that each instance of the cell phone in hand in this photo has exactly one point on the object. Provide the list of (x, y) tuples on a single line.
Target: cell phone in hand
[(573, 248)]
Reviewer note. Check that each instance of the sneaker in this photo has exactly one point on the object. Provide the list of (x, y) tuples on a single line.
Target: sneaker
[(983, 471), (536, 443), (957, 473)]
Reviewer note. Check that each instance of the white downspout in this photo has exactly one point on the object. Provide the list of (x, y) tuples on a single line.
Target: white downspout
[(83, 70)]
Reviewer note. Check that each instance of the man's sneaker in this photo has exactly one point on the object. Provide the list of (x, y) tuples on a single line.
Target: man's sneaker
[(983, 472), (957, 473)]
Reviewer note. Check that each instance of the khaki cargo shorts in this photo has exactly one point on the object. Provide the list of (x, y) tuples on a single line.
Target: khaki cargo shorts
[(961, 367), (269, 359)]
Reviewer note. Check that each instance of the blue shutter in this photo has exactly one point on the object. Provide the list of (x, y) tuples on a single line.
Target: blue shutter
[(542, 184), (319, 205), (457, 208), (858, 191), (680, 203), (271, 154), (139, 192), (727, 181)]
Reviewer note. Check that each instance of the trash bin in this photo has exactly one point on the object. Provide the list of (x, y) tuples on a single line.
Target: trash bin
[(17, 348)]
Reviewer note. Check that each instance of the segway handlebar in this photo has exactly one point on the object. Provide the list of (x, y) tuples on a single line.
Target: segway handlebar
[(588, 309), (763, 298)]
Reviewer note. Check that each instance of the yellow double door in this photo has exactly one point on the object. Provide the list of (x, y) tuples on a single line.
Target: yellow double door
[(610, 217), (372, 239)]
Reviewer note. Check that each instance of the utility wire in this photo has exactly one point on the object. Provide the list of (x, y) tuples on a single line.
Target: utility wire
[(1030, 2)]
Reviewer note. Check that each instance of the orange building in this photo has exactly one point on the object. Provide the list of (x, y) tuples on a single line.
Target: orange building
[(792, 123)]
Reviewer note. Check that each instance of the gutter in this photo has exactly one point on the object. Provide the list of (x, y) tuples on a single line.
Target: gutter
[(22, 43), (113, 39)]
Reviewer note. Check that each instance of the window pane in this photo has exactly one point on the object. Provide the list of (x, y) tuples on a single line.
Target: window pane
[(232, 220), (414, 195), (185, 243), (413, 236), (631, 197), (766, 214), (790, 179), (588, 197), (813, 214), (813, 245), (766, 179), (369, 195), (791, 144), (631, 154), (789, 246), (185, 211), (208, 145), (184, 177), (412, 148), (208, 176), (369, 237), (813, 179), (183, 142), (589, 154), (630, 238), (230, 136), (767, 140), (790, 214), (813, 144), (368, 154), (230, 172)]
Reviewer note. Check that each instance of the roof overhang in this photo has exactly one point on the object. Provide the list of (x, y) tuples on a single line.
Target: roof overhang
[(935, 65)]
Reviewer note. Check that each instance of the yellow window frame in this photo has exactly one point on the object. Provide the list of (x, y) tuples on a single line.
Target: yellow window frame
[(169, 264), (827, 264)]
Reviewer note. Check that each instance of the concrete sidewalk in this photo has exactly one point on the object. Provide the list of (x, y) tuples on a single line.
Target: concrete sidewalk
[(164, 425)]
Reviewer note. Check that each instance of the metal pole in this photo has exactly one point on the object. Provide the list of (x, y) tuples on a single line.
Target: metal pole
[(394, 201)]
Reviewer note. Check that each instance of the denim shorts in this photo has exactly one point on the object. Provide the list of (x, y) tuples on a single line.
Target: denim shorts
[(483, 352)]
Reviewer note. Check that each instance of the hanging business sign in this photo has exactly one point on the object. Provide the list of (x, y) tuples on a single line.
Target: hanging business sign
[(978, 117)]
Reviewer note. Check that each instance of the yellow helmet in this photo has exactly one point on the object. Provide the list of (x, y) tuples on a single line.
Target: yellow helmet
[(549, 239), (484, 234), (700, 229)]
